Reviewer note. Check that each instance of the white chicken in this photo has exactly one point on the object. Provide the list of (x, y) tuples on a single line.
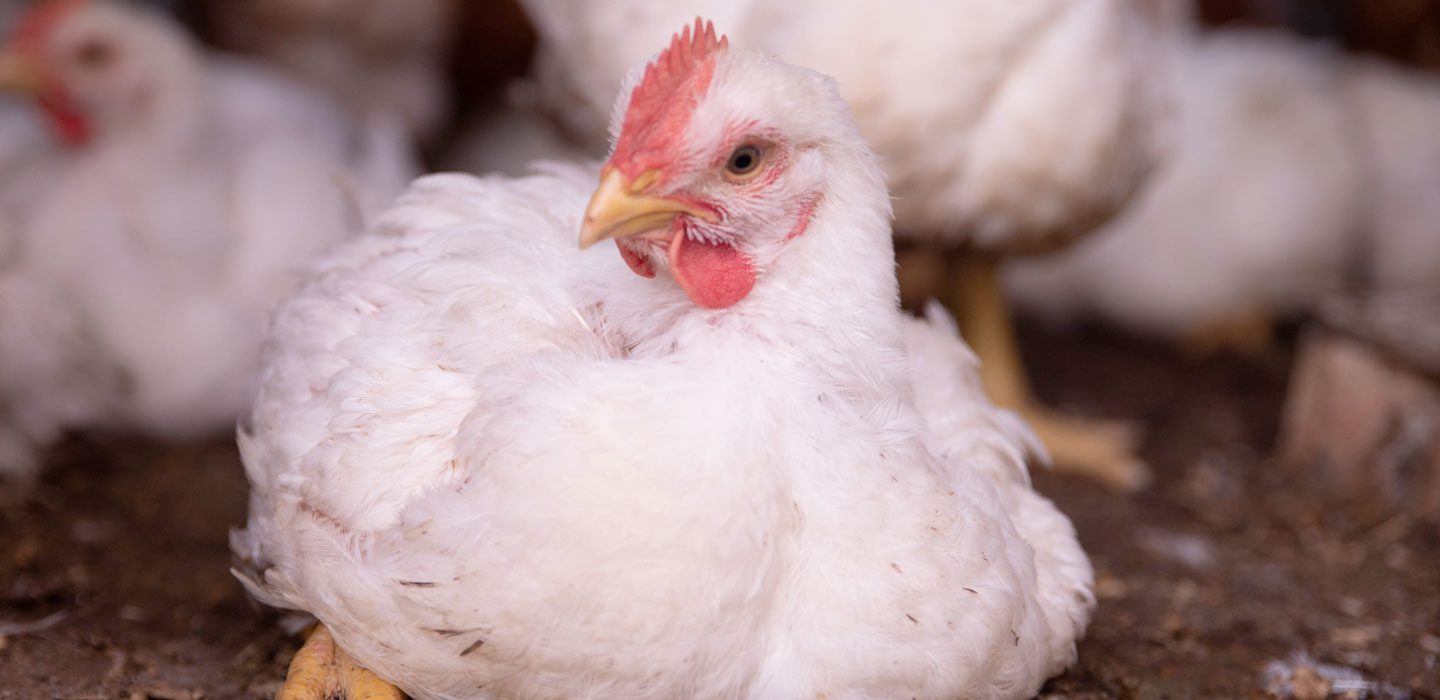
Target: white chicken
[(1299, 172), (1006, 126), (495, 466), (380, 57), (189, 194), (1253, 212)]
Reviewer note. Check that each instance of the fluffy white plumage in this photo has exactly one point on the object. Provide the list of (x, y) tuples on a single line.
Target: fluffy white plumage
[(1298, 172), (498, 467), (380, 57), (139, 284), (1003, 123)]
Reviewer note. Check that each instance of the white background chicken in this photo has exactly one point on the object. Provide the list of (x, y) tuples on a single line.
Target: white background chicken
[(720, 463), (1299, 172), (1005, 126), (189, 193)]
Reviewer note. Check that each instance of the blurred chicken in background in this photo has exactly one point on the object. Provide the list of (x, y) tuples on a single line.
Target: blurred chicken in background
[(1007, 127), (378, 56), (179, 196), (1300, 172)]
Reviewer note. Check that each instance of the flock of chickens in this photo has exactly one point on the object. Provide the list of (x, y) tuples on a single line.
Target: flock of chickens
[(655, 426)]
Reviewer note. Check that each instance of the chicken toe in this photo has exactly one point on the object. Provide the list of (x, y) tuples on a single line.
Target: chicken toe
[(1101, 450), (322, 671), (1104, 451)]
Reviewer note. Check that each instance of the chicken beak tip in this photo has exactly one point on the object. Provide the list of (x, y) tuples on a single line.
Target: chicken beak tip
[(17, 72)]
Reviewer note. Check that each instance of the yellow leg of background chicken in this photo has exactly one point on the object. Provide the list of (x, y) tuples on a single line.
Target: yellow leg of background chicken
[(321, 671), (1247, 331), (1103, 450)]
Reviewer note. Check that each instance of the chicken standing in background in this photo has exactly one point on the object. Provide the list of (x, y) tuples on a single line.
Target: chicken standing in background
[(494, 466), (1300, 172), (378, 56), (188, 193), (1006, 127), (1252, 214)]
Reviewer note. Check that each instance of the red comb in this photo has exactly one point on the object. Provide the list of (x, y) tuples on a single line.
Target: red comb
[(37, 22), (662, 103)]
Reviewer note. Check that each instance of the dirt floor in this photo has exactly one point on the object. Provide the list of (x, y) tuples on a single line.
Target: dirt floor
[(1222, 581)]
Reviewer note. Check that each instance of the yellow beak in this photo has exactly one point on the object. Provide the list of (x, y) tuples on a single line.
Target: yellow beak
[(18, 72), (619, 208)]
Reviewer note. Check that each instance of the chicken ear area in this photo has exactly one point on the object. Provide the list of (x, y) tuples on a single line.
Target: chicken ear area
[(713, 275)]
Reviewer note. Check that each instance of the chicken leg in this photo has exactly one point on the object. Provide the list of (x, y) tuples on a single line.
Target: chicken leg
[(1102, 450), (321, 671), (1249, 332)]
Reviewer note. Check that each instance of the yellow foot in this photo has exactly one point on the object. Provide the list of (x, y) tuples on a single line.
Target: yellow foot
[(323, 671), (1249, 332), (1101, 450), (1104, 451)]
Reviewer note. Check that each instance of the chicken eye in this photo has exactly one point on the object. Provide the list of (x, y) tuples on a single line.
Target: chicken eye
[(94, 54), (744, 161)]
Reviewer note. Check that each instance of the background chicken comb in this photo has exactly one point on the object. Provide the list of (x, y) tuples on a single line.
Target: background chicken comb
[(661, 104), (37, 22)]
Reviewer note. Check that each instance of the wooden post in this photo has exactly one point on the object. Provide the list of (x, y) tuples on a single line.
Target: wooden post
[(1363, 412)]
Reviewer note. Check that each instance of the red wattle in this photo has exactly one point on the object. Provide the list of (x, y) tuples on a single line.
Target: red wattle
[(713, 275), (69, 124), (638, 263)]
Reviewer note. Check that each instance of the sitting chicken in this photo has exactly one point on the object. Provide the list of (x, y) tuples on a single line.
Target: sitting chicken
[(1007, 126), (1300, 172), (189, 192), (377, 56), (719, 464)]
